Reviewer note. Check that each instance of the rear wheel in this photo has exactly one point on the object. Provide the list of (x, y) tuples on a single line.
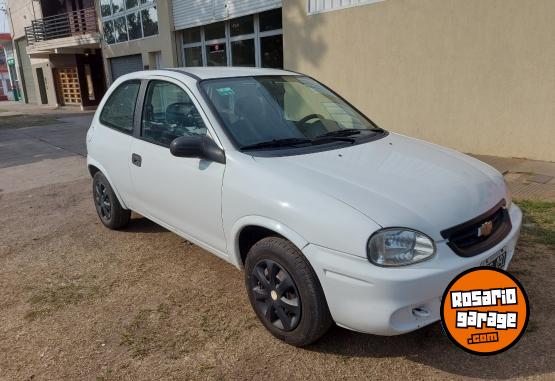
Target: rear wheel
[(285, 292), (107, 205)]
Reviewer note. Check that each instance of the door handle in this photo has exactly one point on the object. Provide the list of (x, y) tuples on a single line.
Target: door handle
[(136, 159)]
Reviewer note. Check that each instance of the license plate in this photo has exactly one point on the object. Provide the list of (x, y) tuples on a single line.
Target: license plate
[(496, 260)]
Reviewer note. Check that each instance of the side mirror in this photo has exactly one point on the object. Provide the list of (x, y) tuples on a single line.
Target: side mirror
[(200, 146)]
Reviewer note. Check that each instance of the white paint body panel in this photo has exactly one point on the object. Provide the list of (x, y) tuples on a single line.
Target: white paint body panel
[(326, 203)]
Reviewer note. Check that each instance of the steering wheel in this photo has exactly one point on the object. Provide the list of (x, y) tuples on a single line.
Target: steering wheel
[(309, 117)]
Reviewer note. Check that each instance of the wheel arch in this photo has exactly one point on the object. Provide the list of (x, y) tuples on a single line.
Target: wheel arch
[(250, 229), (93, 166)]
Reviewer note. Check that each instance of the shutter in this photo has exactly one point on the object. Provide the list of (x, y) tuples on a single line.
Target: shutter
[(237, 8), (189, 13), (26, 71), (315, 6), (126, 64)]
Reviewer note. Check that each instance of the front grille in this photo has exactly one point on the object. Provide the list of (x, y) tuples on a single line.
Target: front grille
[(474, 236)]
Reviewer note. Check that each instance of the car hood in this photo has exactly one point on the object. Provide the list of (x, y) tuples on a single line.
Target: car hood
[(398, 181)]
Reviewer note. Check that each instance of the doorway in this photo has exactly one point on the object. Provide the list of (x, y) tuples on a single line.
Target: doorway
[(42, 86), (68, 84)]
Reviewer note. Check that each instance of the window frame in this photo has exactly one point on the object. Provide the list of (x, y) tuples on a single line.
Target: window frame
[(112, 126), (210, 132), (228, 39)]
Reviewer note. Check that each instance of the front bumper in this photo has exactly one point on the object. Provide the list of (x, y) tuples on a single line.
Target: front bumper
[(391, 301)]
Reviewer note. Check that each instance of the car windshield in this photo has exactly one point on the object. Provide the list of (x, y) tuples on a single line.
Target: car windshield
[(284, 111)]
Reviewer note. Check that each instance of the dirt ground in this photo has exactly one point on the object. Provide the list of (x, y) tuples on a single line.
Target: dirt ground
[(78, 301), (81, 302)]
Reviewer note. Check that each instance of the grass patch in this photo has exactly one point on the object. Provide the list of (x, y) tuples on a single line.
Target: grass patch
[(19, 121), (539, 221), (53, 297), (151, 331)]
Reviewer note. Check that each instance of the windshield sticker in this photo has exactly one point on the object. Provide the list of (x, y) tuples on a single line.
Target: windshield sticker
[(223, 91)]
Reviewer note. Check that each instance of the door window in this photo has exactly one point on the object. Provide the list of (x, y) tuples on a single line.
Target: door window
[(119, 109), (169, 113)]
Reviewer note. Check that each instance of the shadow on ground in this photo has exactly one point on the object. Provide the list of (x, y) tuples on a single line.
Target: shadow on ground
[(139, 224), (430, 347)]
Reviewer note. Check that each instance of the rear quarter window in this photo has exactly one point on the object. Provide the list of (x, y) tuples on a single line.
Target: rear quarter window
[(119, 110)]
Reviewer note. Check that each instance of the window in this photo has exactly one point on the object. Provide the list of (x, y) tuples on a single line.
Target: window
[(169, 113), (109, 32), (193, 46), (191, 35), (150, 21), (242, 53), (119, 109), (215, 31), (318, 6), (263, 108), (105, 8), (252, 40), (241, 25), (193, 56), (216, 54), (120, 29), (134, 26), (117, 6), (270, 20), (130, 4), (126, 20), (271, 51)]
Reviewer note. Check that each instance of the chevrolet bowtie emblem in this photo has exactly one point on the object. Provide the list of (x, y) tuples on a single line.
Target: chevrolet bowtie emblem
[(485, 229)]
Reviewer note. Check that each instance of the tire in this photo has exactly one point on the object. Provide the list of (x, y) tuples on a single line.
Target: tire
[(107, 205), (307, 317)]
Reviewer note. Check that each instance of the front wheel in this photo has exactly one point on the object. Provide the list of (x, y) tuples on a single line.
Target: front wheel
[(285, 292)]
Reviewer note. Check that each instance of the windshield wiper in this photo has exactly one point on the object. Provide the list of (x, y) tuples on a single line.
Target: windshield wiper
[(277, 143), (322, 139), (348, 132)]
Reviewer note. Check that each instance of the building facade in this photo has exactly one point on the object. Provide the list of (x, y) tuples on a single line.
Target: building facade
[(477, 76), (137, 35), (148, 34), (58, 52), (474, 75), (6, 68)]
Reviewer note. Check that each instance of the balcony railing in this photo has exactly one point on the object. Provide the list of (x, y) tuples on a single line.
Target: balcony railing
[(63, 25)]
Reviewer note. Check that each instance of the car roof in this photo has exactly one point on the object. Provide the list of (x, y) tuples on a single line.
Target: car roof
[(228, 72)]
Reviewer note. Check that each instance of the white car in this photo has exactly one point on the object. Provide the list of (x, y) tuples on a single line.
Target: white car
[(332, 218)]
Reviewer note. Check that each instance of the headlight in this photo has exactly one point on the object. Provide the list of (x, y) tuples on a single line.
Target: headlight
[(399, 247)]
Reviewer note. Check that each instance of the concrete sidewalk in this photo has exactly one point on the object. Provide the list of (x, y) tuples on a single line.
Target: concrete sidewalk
[(12, 108), (527, 179)]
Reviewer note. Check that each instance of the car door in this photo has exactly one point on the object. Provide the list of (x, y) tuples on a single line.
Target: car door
[(184, 193), (112, 141)]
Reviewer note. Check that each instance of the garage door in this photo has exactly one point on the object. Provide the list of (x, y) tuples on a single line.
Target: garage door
[(124, 65), (26, 71)]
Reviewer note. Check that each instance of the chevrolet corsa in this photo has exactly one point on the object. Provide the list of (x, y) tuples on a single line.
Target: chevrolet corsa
[(332, 218)]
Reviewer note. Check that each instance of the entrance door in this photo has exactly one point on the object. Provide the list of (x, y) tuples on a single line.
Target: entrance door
[(69, 85), (42, 86)]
